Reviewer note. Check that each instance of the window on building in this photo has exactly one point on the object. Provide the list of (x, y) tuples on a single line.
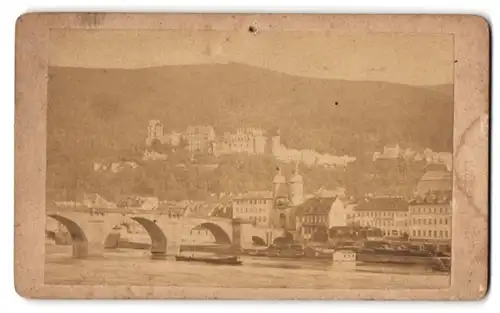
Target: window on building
[(435, 233), (430, 221), (440, 233), (418, 233), (429, 233)]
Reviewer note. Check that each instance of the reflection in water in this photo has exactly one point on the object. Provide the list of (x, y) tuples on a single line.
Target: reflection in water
[(133, 267)]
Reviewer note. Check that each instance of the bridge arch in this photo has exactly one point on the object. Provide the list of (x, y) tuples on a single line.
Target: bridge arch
[(158, 238), (220, 235), (78, 238)]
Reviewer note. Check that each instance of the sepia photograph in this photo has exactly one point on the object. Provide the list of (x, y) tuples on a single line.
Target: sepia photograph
[(256, 159)]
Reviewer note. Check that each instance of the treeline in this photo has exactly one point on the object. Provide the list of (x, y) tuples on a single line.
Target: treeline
[(184, 176)]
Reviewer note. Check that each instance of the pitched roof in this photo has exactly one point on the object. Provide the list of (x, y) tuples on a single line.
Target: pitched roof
[(382, 204), (316, 205), (433, 197), (436, 167), (434, 180), (223, 210)]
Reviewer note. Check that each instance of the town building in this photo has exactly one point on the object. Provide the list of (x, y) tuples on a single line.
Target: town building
[(430, 217), (95, 200), (317, 215), (150, 155), (254, 206), (389, 152), (138, 203), (172, 209), (113, 165), (389, 214)]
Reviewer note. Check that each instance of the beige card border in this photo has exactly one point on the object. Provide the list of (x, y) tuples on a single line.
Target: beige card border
[(469, 277)]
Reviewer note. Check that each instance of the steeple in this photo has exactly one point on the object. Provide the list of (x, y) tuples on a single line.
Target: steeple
[(279, 185), (296, 187)]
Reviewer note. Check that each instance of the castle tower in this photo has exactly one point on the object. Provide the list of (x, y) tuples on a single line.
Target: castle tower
[(155, 131), (296, 187)]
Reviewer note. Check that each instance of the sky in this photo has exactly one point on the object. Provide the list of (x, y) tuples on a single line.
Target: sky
[(414, 59)]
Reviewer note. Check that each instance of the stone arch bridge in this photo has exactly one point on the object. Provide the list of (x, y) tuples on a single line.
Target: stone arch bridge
[(89, 228)]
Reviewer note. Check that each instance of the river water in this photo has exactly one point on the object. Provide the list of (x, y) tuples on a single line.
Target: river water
[(134, 267)]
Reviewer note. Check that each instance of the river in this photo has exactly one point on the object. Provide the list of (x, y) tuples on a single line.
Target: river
[(134, 267)]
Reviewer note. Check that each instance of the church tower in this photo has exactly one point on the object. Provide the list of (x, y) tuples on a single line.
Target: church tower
[(296, 187), (279, 185), (280, 200)]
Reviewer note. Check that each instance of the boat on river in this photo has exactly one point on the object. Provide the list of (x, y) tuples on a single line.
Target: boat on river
[(232, 260), (404, 255), (273, 251)]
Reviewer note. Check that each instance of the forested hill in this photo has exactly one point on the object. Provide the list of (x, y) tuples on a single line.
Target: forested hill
[(104, 112)]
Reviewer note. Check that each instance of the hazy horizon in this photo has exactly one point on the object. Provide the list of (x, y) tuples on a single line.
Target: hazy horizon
[(248, 65)]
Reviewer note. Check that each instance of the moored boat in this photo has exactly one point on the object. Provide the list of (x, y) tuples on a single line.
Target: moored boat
[(211, 260), (400, 255)]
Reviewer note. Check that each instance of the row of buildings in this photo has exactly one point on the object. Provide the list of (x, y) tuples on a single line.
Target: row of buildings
[(253, 141), (426, 216)]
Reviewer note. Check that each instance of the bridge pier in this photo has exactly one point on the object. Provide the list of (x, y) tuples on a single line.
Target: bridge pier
[(237, 235), (96, 231), (80, 249)]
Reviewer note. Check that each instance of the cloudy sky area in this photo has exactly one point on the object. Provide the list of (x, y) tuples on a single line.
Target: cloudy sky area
[(414, 59)]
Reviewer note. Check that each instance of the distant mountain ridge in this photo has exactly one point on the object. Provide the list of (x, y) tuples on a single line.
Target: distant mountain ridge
[(104, 112)]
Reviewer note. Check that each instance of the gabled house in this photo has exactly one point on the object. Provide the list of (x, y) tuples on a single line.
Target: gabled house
[(318, 214)]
